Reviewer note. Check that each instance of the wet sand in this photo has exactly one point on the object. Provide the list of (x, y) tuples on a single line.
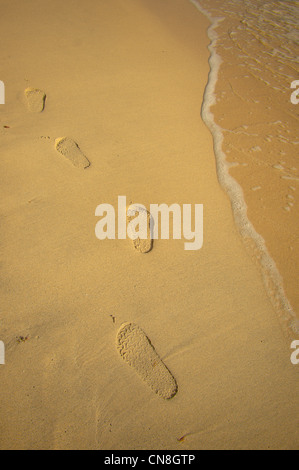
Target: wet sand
[(125, 80), (259, 46)]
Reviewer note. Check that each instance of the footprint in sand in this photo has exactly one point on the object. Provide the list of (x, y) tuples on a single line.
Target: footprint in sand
[(35, 99), (71, 150), (136, 350), (144, 220)]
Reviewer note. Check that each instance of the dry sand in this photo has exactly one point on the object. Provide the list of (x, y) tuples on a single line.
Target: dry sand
[(125, 80)]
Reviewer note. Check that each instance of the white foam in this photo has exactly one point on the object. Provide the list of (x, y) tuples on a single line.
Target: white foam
[(272, 278)]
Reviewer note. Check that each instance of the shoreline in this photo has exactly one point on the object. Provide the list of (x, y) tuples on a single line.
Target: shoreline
[(256, 244)]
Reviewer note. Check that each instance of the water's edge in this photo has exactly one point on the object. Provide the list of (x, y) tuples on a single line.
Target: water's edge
[(253, 240)]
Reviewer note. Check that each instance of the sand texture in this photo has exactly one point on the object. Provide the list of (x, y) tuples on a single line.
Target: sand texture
[(125, 82), (71, 150), (35, 100), (136, 350)]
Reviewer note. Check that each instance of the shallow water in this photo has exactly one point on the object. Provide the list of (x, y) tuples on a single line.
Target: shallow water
[(247, 106)]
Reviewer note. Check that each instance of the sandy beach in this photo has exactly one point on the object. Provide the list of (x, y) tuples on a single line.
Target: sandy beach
[(125, 80), (258, 46)]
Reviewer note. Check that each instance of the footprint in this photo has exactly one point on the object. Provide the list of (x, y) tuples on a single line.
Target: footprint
[(141, 245), (35, 99), (136, 350), (70, 150)]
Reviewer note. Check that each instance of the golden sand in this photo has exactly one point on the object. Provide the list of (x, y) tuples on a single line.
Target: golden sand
[(125, 79)]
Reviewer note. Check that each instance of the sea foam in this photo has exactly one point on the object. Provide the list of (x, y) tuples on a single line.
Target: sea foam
[(272, 278)]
